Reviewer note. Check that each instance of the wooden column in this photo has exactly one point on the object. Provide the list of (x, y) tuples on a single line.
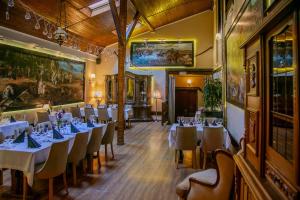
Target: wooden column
[(120, 21)]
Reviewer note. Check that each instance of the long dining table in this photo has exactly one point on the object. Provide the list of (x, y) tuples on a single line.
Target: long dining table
[(21, 157)]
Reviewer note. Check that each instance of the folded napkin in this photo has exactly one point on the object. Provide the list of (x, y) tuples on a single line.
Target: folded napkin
[(74, 129), (206, 123), (20, 138), (32, 143), (181, 123), (56, 134), (214, 123), (12, 119), (90, 124)]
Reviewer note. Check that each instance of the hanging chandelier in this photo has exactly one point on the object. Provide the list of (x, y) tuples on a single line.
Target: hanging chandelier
[(60, 34)]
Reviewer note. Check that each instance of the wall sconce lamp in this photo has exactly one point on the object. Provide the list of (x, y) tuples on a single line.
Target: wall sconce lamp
[(189, 82), (92, 78), (156, 96)]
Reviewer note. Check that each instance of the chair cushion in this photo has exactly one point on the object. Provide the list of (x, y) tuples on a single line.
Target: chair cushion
[(208, 176)]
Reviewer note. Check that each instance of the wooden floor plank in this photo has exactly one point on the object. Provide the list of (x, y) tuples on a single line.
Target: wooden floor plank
[(143, 168)]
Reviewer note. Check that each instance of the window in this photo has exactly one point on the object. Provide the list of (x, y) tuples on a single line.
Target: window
[(282, 93)]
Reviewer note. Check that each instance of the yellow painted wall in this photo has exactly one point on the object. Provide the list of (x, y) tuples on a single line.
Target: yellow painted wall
[(198, 28)]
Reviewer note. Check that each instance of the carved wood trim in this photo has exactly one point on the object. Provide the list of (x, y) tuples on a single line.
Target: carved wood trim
[(280, 183), (254, 184)]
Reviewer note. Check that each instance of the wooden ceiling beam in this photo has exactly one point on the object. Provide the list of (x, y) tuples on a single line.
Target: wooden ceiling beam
[(150, 26), (115, 15), (132, 25)]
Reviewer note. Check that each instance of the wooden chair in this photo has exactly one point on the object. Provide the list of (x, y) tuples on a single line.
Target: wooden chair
[(94, 146), (108, 138), (103, 115), (210, 184), (31, 118), (75, 111), (42, 117), (114, 114), (88, 112), (213, 138), (78, 152), (186, 139), (54, 166)]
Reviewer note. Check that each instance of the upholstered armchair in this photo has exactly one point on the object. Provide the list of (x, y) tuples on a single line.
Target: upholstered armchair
[(210, 184)]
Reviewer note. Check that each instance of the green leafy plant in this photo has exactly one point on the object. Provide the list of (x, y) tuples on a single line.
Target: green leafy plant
[(212, 94)]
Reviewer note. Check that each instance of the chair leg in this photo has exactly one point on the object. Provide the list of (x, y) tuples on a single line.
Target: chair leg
[(175, 155), (204, 160), (84, 166), (90, 163), (177, 159), (74, 174), (24, 187), (194, 159), (65, 181), (105, 152), (50, 192), (1, 177), (99, 162), (112, 151)]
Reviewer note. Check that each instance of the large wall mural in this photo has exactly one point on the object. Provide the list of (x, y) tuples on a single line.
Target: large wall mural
[(30, 79), (250, 19)]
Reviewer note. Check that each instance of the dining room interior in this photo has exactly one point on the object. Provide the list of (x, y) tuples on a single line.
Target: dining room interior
[(149, 99)]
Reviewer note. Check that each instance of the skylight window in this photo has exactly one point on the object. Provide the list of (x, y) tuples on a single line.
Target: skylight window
[(101, 7)]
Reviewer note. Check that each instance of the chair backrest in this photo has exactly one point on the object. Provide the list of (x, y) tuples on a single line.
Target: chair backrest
[(2, 137), (75, 112), (42, 117), (222, 188), (56, 162), (210, 120), (226, 173), (79, 148), (103, 114), (95, 140), (88, 112), (30, 117), (44, 124), (213, 138), (109, 133), (186, 138), (114, 114)]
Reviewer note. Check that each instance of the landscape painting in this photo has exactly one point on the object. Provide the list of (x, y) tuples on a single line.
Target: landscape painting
[(235, 73), (30, 79), (167, 53)]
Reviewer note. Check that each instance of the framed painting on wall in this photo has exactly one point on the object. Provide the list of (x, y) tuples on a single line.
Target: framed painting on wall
[(162, 54), (252, 70), (29, 79), (235, 71)]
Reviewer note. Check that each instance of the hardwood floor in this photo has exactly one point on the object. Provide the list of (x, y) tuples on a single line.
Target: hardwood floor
[(143, 169)]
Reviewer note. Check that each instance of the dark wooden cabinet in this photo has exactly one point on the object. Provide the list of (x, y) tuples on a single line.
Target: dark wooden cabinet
[(137, 94), (268, 166)]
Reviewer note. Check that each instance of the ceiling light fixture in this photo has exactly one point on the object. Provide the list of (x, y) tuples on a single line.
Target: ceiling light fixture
[(61, 35)]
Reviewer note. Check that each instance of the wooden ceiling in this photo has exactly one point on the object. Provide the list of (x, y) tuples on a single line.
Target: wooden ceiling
[(98, 29)]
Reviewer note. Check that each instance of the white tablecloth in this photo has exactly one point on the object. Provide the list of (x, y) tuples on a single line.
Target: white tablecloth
[(127, 112), (8, 129), (172, 135), (20, 157)]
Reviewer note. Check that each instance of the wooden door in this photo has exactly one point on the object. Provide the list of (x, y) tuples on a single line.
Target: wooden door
[(185, 102)]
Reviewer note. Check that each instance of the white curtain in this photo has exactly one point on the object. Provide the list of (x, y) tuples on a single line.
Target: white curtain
[(171, 99)]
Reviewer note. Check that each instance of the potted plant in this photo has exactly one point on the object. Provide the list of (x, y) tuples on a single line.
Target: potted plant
[(213, 98)]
